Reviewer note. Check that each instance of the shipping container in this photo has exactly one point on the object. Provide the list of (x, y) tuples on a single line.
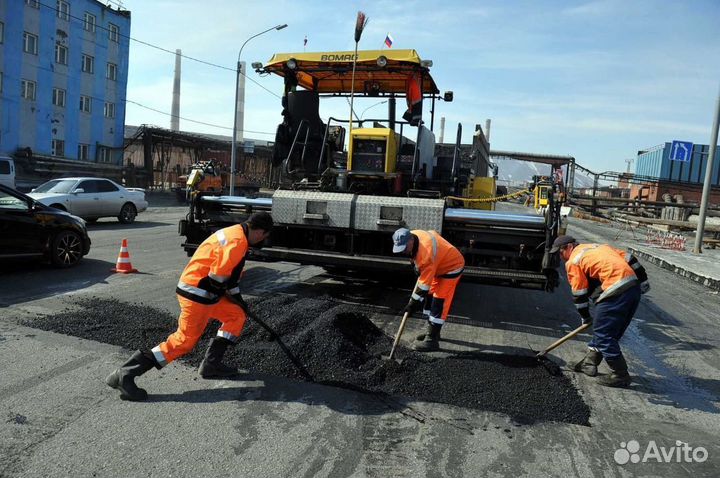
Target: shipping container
[(655, 162)]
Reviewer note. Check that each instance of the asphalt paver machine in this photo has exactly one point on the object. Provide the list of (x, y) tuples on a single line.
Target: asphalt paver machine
[(348, 184)]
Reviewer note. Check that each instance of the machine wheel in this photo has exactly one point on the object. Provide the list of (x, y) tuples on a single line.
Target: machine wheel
[(127, 213), (66, 249), (59, 206)]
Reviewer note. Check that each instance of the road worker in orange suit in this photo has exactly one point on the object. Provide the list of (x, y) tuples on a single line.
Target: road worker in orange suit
[(439, 265), (614, 280), (208, 289)]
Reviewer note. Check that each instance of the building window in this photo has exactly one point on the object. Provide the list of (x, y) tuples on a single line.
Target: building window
[(61, 54), (109, 110), (83, 151), (58, 147), (111, 72), (28, 89), (88, 64), (113, 32), (30, 43), (85, 104), (105, 155), (63, 10), (33, 3), (59, 97), (89, 22)]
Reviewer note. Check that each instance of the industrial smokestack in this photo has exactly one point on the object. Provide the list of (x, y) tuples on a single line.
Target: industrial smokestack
[(487, 129), (175, 112), (442, 129)]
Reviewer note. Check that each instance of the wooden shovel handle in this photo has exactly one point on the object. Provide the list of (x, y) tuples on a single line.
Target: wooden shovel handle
[(564, 339), (399, 334)]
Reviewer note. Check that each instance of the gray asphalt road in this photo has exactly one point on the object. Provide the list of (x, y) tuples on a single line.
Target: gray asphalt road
[(59, 419)]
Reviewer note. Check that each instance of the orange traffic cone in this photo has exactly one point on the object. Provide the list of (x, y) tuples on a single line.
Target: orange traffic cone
[(123, 261)]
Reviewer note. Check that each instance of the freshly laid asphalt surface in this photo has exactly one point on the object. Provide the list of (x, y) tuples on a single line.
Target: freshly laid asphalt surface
[(340, 346)]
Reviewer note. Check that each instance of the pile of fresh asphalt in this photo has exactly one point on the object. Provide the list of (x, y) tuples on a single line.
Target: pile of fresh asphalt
[(339, 345)]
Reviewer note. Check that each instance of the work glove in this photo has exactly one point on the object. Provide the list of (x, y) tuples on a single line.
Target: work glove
[(644, 287), (585, 316), (412, 306)]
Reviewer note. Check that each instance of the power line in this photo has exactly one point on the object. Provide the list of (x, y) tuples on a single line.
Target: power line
[(215, 65), (125, 100), (194, 121)]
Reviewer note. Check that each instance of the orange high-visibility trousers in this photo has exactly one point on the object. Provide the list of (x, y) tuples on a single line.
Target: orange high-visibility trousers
[(439, 299), (193, 319)]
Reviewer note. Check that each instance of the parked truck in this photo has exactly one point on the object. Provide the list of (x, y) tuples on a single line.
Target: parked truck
[(337, 207)]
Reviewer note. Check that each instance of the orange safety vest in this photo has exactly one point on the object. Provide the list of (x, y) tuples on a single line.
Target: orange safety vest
[(216, 266), (601, 264), (412, 90), (434, 258)]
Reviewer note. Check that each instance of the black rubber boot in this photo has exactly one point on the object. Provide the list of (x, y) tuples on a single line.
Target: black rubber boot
[(431, 339), (619, 376), (589, 363), (123, 379), (212, 366)]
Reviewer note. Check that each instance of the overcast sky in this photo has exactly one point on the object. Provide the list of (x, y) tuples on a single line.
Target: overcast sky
[(597, 80)]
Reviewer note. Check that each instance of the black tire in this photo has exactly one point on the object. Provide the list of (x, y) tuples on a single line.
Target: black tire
[(127, 213), (58, 206), (66, 249), (91, 220)]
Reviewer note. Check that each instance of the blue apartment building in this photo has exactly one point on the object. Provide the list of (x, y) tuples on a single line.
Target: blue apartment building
[(63, 79)]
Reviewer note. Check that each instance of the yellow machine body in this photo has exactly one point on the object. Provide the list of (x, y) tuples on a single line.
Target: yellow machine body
[(372, 151), (194, 178), (541, 195), (481, 188)]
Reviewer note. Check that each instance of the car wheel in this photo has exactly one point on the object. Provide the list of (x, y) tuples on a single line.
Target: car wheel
[(58, 206), (91, 220), (127, 213), (66, 249)]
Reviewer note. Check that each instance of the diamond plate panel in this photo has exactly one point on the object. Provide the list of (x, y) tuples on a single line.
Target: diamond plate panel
[(312, 208), (386, 213)]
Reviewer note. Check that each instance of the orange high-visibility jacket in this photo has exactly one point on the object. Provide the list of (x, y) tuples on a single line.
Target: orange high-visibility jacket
[(216, 266), (591, 264), (434, 258)]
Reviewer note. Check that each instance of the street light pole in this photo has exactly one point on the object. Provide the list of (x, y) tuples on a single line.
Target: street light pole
[(707, 185), (371, 106), (233, 152)]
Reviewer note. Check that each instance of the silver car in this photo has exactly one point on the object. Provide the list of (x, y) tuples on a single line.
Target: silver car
[(92, 198)]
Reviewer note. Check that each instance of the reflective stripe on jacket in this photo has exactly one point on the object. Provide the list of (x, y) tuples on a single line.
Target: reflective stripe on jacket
[(216, 266), (434, 258), (598, 262)]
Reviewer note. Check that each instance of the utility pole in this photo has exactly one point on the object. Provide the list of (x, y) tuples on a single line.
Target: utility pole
[(629, 162), (708, 179)]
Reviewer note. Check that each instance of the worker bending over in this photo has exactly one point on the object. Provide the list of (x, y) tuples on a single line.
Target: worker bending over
[(208, 289), (613, 279), (439, 265)]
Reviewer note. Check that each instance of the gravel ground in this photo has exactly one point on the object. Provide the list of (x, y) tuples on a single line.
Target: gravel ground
[(339, 345)]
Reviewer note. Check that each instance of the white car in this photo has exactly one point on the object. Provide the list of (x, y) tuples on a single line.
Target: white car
[(92, 198)]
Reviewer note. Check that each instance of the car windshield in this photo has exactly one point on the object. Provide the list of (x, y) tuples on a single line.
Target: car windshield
[(56, 186)]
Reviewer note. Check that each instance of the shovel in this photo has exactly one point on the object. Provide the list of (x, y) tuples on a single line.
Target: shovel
[(549, 365), (562, 340), (397, 339), (295, 361)]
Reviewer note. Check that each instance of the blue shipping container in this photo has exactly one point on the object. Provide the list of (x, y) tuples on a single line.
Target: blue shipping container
[(655, 162)]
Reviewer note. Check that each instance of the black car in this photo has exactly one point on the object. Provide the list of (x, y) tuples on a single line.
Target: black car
[(30, 229)]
